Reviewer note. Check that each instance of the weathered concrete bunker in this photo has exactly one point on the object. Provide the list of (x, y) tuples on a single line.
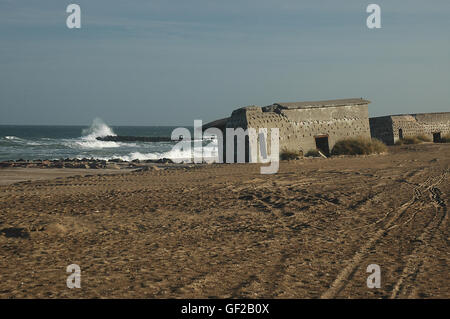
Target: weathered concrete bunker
[(390, 129), (303, 126)]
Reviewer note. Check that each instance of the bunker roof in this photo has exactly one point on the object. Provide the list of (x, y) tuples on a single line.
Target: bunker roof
[(412, 114), (221, 123), (314, 104)]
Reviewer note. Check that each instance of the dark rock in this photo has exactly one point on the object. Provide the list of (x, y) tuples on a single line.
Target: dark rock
[(93, 165), (14, 232), (134, 138), (6, 164), (58, 165), (164, 160)]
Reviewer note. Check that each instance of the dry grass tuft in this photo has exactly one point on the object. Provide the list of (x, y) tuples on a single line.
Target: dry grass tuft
[(445, 139), (290, 155), (408, 140), (413, 139), (312, 153), (423, 138), (358, 146)]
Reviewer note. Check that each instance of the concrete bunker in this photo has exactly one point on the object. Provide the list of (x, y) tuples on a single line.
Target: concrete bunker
[(389, 129), (303, 126)]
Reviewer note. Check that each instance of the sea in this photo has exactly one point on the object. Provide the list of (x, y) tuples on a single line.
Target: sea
[(62, 142)]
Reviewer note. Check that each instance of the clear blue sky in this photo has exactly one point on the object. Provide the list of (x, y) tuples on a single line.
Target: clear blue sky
[(168, 62)]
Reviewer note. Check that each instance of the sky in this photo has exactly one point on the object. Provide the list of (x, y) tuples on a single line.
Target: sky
[(168, 62)]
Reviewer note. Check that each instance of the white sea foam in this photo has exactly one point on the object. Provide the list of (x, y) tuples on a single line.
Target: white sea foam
[(209, 154), (31, 143), (15, 140), (89, 140), (98, 128), (84, 143)]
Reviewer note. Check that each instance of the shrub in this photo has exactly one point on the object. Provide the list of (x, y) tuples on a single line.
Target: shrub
[(423, 138), (358, 146), (413, 140), (445, 139), (408, 140), (289, 155), (312, 153)]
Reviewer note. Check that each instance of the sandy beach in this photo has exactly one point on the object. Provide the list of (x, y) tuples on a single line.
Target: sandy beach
[(15, 175), (226, 231)]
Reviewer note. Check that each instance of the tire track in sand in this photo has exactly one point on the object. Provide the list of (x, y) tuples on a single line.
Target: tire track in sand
[(342, 278), (414, 260)]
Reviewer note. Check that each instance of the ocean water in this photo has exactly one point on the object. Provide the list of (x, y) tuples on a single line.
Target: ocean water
[(55, 142)]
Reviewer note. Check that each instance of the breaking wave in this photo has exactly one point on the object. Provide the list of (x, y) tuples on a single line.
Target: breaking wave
[(98, 128), (88, 140), (209, 154), (12, 138)]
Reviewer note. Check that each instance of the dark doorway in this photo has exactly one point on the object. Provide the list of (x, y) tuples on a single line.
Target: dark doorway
[(437, 137), (400, 134), (322, 144)]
